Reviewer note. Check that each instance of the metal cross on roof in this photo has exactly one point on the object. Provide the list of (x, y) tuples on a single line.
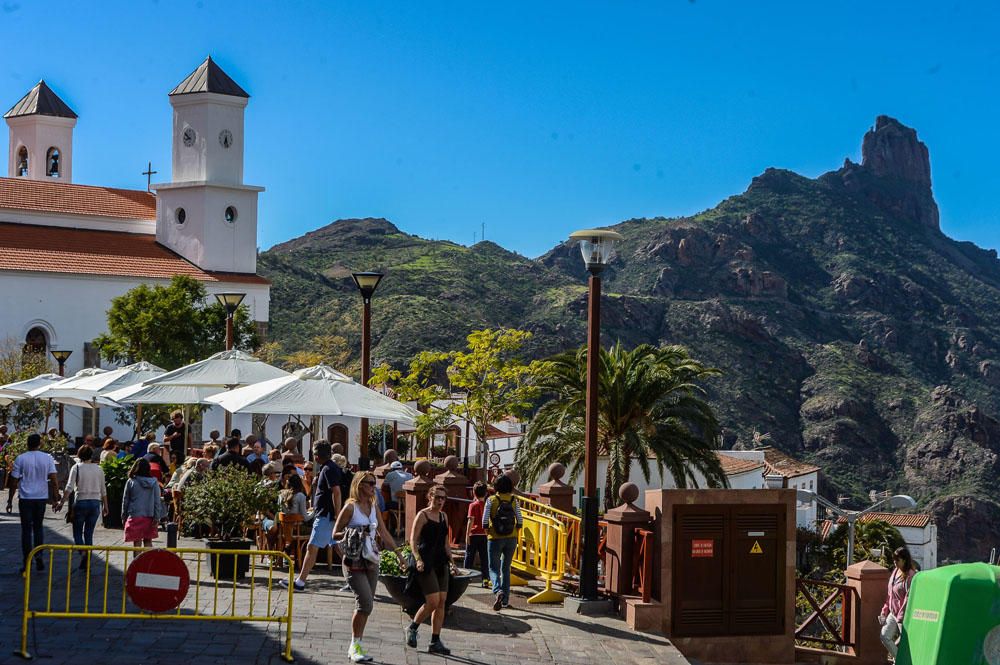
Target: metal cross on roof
[(149, 173)]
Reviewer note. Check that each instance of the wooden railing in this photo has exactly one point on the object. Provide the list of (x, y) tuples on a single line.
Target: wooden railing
[(825, 613)]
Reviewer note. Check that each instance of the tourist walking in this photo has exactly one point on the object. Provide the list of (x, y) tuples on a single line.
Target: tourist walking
[(358, 524), (475, 534), (34, 479), (502, 521), (891, 617), (142, 508), (326, 501), (89, 493), (432, 556)]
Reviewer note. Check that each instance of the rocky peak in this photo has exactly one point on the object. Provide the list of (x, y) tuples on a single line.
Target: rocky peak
[(892, 149), (895, 172)]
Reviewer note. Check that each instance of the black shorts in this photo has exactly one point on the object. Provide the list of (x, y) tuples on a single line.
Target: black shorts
[(433, 580)]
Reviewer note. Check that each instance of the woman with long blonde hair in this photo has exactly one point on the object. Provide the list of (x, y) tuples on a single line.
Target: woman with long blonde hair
[(356, 528)]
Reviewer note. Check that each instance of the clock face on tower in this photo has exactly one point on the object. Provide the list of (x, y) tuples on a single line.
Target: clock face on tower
[(225, 138), (189, 137)]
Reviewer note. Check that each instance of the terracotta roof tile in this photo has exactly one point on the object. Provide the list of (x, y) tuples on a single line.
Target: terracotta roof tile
[(77, 251), (918, 520), (735, 465), (64, 198), (781, 464)]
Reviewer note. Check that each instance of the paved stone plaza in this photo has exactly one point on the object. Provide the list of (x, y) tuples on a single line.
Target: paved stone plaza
[(525, 635)]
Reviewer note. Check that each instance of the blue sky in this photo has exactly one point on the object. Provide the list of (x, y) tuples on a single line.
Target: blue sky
[(534, 119)]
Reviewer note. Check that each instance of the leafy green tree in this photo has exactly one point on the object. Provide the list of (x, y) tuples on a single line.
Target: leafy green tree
[(867, 536), (651, 409), (170, 326), (493, 381)]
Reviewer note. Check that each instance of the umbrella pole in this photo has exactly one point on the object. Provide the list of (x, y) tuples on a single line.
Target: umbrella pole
[(48, 412), (93, 418), (138, 421), (185, 448)]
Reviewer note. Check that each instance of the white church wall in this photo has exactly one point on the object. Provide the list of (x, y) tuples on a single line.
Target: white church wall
[(73, 310)]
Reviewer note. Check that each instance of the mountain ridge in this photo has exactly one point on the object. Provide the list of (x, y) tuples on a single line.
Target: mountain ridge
[(851, 331)]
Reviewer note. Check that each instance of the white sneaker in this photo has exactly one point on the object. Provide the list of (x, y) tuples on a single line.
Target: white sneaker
[(358, 654)]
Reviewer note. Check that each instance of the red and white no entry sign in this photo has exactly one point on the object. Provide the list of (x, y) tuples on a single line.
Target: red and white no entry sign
[(157, 581)]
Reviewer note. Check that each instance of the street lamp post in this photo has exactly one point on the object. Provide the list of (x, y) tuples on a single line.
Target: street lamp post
[(367, 283), (597, 247), (898, 501), (231, 303), (61, 357)]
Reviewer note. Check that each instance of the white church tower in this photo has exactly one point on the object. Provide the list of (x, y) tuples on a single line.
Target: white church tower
[(41, 137), (206, 214)]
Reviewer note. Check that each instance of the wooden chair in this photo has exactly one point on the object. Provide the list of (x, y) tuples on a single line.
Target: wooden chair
[(291, 538), (177, 499)]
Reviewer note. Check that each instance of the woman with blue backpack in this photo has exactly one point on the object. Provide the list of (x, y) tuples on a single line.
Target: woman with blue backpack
[(502, 521)]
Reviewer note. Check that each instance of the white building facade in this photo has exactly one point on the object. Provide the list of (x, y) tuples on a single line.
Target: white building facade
[(66, 250)]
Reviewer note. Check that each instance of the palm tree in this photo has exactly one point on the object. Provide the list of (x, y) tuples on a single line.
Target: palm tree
[(650, 408)]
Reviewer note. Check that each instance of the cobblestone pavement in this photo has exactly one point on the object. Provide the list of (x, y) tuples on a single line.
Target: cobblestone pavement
[(525, 635)]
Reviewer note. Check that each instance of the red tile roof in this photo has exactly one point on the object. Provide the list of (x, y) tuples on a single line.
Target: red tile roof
[(918, 520), (77, 251), (63, 198), (732, 466), (781, 464)]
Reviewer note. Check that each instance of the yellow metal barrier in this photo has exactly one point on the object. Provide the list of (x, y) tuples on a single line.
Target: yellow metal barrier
[(248, 599), (541, 553), (570, 522)]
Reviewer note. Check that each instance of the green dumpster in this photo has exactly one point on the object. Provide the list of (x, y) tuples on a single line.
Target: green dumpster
[(952, 617)]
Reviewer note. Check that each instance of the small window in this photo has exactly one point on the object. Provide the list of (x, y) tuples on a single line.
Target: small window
[(230, 214), (52, 163), (180, 215), (22, 162)]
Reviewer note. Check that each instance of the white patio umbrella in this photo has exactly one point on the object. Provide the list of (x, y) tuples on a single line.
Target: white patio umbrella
[(226, 368), (314, 391), (61, 392), (20, 389)]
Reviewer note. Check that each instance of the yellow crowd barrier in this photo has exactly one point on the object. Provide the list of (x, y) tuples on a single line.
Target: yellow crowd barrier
[(570, 522), (541, 553), (98, 592)]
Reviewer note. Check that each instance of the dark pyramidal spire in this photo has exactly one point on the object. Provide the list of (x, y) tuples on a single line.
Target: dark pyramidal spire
[(209, 77), (40, 100)]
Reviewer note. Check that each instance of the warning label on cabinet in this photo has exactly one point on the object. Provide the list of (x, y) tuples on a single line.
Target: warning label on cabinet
[(702, 548), (756, 549)]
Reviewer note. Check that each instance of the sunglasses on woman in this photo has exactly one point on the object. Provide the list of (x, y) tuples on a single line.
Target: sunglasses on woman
[(369, 482)]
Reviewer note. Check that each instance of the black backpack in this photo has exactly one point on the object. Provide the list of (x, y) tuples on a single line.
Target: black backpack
[(505, 520)]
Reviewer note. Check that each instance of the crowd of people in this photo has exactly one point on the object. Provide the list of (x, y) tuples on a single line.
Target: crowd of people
[(343, 509)]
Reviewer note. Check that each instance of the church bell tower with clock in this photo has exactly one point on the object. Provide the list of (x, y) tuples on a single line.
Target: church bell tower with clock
[(206, 214)]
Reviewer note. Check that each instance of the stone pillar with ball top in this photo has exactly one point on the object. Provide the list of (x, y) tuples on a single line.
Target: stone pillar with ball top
[(556, 493), (619, 559), (416, 490), (457, 507)]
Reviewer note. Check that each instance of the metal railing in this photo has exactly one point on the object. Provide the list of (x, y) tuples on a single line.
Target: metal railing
[(642, 564), (100, 592), (825, 614)]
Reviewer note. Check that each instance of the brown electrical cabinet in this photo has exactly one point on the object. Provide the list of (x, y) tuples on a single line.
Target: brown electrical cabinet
[(728, 570)]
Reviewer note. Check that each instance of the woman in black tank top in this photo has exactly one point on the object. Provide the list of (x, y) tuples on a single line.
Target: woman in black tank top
[(432, 552)]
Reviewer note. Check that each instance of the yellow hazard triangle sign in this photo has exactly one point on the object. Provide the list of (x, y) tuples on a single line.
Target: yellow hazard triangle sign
[(756, 549)]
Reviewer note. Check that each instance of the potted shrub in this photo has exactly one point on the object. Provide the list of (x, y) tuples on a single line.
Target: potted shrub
[(115, 475), (393, 578), (225, 503)]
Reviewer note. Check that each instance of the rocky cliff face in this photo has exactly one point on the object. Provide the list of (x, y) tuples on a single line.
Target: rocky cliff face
[(850, 330)]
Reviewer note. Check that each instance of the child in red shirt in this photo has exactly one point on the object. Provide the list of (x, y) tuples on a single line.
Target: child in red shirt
[(475, 535)]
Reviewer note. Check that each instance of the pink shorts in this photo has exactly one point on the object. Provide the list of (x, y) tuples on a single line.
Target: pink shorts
[(140, 528)]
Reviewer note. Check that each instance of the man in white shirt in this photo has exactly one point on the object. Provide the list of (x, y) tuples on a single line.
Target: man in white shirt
[(34, 478)]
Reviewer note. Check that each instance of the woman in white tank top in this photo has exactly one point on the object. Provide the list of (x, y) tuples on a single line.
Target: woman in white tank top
[(361, 512)]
